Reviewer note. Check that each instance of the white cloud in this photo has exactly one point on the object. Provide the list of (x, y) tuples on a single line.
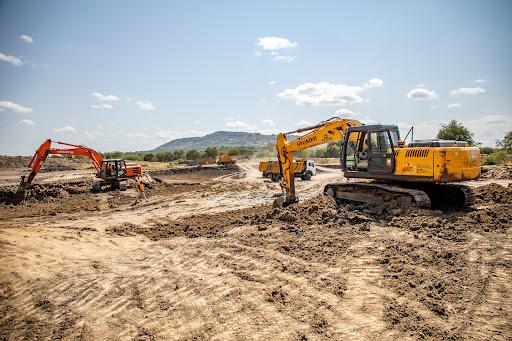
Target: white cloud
[(421, 85), (275, 43), (481, 80), (27, 38), (145, 105), (240, 125), (129, 99), (11, 59), (89, 135), (172, 134), (27, 123), (345, 113), (106, 98), (271, 82), (434, 107), (420, 94), (288, 59), (11, 106), (454, 105), (268, 123), (488, 129), (258, 53), (374, 83), (66, 129), (196, 122), (101, 106), (467, 91), (303, 123), (323, 93)]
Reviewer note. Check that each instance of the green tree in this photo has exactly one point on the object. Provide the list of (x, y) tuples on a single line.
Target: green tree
[(456, 131), (211, 152), (506, 143), (333, 150), (178, 154), (192, 154), (149, 157)]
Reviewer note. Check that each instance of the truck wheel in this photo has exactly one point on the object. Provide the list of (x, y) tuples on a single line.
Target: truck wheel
[(96, 187), (307, 176), (123, 185)]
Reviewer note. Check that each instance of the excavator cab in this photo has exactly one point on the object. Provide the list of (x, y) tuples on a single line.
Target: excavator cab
[(369, 149), (113, 170)]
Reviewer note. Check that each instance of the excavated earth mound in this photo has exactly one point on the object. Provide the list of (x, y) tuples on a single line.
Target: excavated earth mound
[(220, 170), (51, 164), (424, 256), (501, 172)]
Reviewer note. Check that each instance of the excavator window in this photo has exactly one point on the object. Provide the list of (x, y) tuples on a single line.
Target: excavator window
[(379, 142)]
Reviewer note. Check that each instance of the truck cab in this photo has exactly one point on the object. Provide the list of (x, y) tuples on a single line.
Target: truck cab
[(308, 170)]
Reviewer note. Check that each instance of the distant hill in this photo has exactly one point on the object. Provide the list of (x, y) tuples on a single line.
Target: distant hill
[(218, 139)]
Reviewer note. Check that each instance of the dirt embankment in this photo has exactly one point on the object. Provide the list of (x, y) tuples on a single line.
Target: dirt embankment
[(69, 197), (51, 164), (501, 172), (432, 267), (314, 270)]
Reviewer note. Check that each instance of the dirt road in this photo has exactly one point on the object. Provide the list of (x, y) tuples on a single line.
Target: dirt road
[(207, 257)]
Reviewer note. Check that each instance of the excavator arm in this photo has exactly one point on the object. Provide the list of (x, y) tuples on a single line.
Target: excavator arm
[(46, 149), (327, 131)]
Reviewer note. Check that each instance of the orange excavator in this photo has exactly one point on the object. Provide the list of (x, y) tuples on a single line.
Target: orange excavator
[(112, 172)]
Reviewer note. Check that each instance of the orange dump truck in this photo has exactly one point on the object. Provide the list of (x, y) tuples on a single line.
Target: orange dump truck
[(226, 159), (304, 169)]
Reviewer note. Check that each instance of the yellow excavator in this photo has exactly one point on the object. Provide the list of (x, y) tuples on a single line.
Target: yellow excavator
[(381, 168)]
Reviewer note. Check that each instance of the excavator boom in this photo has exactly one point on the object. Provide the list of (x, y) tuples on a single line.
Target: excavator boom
[(327, 131), (46, 149)]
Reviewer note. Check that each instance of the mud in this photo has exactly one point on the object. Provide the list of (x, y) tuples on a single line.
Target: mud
[(207, 257)]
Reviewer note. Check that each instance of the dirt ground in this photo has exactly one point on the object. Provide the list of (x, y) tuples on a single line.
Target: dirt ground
[(206, 257)]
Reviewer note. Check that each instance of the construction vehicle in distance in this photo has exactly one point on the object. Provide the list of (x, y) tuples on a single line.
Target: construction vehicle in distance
[(226, 159), (112, 172), (304, 169), (423, 173)]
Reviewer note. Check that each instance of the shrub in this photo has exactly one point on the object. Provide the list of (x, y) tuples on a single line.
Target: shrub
[(498, 157)]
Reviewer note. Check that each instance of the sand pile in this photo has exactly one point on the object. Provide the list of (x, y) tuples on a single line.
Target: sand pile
[(499, 172)]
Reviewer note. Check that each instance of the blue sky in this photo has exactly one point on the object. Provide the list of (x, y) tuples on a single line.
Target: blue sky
[(131, 75)]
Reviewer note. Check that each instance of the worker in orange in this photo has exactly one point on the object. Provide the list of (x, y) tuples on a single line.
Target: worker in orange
[(140, 189), (110, 169)]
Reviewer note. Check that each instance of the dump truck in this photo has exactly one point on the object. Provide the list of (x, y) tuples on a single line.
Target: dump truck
[(226, 159), (304, 169)]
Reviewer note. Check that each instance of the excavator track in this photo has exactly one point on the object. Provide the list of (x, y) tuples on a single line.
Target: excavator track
[(435, 196), (446, 196), (378, 193)]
